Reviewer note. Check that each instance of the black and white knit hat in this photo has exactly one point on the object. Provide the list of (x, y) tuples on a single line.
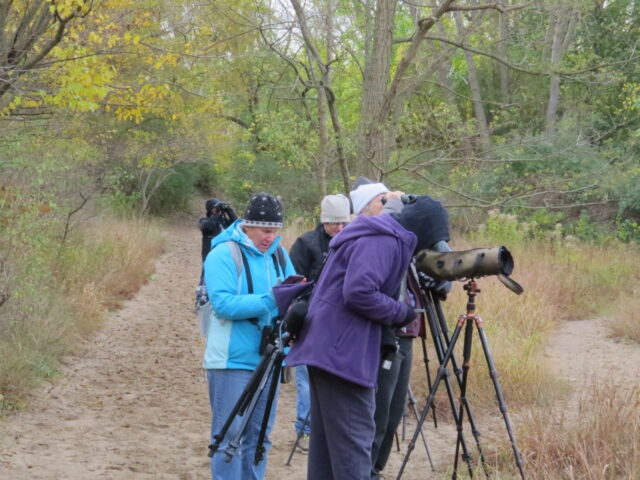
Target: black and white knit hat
[(263, 210)]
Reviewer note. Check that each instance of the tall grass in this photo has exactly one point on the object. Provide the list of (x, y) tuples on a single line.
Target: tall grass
[(597, 441), (60, 294), (626, 323)]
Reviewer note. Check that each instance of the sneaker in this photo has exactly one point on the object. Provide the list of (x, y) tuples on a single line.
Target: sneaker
[(303, 443)]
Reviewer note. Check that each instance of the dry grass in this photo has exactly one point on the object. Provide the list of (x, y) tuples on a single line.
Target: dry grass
[(597, 441), (626, 322), (293, 230), (101, 265)]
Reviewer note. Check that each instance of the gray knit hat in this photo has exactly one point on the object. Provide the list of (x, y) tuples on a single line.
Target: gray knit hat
[(263, 210), (335, 209)]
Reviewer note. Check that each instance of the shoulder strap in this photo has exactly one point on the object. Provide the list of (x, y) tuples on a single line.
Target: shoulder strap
[(238, 260), (280, 264), (247, 271)]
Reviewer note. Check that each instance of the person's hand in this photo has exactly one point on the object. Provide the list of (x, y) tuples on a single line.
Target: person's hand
[(442, 288), (409, 316), (394, 194)]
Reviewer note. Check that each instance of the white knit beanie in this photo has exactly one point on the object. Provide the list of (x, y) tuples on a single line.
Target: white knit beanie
[(335, 209), (362, 195)]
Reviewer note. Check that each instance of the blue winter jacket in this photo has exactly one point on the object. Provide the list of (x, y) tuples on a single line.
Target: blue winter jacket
[(354, 298), (232, 339)]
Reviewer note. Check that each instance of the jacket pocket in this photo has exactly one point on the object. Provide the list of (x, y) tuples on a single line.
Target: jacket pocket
[(345, 334)]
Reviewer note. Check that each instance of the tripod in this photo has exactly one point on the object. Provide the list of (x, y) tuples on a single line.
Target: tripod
[(438, 331), (270, 367), (299, 436), (411, 404)]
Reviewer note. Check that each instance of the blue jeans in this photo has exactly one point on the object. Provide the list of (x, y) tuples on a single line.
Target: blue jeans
[(225, 388), (303, 402)]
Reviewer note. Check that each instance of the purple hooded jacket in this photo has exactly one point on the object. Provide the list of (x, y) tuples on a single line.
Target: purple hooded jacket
[(353, 299)]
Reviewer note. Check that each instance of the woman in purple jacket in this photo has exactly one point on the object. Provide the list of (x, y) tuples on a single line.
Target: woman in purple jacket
[(340, 341)]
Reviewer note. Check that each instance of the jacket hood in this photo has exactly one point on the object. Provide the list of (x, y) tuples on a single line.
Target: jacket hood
[(427, 219), (365, 225), (235, 234)]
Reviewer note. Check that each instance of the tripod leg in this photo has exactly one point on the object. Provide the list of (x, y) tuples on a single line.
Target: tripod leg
[(412, 405), (444, 330), (404, 425), (468, 336), (442, 373), (503, 406), (234, 443), (273, 388), (426, 366), (242, 402), (298, 437), (435, 320)]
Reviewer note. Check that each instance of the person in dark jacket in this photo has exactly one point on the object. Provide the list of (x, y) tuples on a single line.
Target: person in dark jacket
[(307, 254), (219, 215), (340, 340), (393, 377)]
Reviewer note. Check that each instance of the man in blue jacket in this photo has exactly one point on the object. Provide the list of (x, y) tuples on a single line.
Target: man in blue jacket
[(340, 341), (240, 310)]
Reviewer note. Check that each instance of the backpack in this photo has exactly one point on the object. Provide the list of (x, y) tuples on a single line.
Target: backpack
[(203, 306)]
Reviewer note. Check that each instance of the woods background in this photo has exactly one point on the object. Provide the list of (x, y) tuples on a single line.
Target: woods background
[(523, 117), (118, 117)]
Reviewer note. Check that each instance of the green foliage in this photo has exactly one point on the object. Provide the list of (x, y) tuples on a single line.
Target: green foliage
[(546, 220), (587, 230), (503, 229), (174, 194), (627, 230)]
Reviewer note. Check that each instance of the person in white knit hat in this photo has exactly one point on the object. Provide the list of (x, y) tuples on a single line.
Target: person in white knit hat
[(307, 255), (369, 198)]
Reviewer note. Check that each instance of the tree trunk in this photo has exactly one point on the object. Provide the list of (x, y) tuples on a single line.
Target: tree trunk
[(474, 86), (324, 84), (374, 149), (503, 29), (562, 23), (322, 162)]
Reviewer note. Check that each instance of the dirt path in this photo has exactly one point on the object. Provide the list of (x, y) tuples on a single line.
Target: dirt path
[(134, 404), (582, 353)]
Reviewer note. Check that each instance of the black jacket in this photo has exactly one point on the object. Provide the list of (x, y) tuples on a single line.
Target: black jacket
[(308, 252), (212, 225)]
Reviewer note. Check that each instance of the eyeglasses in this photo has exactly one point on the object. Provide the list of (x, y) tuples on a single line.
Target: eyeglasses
[(335, 224)]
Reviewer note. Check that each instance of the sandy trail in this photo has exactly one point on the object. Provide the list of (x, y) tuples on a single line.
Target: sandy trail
[(134, 405)]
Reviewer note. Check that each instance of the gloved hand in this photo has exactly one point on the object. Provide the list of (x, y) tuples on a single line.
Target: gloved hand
[(441, 289), (426, 281), (388, 347), (410, 315)]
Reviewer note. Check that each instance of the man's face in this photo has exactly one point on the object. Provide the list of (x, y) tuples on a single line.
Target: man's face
[(333, 228), (262, 237), (374, 207)]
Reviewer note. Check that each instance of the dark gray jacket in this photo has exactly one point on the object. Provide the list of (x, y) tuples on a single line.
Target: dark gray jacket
[(308, 252)]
